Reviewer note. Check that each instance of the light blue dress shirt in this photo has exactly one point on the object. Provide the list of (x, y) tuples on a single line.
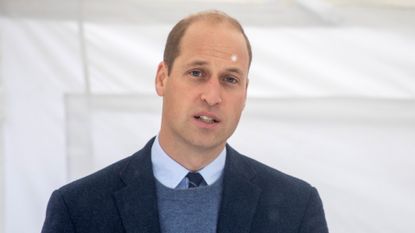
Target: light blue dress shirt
[(173, 175)]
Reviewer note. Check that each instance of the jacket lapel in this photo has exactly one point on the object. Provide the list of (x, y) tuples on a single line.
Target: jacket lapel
[(240, 196), (137, 200)]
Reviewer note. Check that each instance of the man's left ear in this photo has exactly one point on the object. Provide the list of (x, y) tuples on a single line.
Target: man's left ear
[(161, 78), (246, 92)]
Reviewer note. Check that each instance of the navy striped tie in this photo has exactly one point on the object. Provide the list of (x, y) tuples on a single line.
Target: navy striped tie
[(195, 179)]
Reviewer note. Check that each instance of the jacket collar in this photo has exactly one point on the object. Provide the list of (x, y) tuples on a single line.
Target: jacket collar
[(240, 195), (137, 200)]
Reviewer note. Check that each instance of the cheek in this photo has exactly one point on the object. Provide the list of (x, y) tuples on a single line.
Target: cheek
[(237, 105), (178, 100)]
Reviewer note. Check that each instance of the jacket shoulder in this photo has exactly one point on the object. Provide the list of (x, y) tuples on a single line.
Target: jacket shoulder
[(295, 201), (103, 180), (111, 178), (274, 184)]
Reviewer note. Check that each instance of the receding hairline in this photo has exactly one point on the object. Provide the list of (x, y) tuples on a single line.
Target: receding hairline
[(214, 17), (210, 17)]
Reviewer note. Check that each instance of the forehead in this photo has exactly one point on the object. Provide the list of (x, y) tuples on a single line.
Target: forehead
[(214, 39)]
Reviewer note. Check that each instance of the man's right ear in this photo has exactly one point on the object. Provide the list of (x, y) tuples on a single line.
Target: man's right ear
[(161, 78)]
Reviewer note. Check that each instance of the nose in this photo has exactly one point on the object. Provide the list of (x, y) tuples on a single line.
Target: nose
[(212, 93)]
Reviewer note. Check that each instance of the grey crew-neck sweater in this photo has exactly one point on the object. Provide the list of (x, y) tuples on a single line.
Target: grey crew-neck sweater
[(189, 210)]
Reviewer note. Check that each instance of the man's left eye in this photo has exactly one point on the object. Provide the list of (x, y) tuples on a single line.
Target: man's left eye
[(230, 79)]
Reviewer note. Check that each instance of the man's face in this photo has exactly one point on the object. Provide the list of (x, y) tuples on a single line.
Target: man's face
[(205, 93)]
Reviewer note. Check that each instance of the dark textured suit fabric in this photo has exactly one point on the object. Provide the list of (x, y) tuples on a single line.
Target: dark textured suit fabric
[(122, 198)]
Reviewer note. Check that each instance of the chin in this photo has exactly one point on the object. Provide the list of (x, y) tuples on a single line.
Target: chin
[(204, 144)]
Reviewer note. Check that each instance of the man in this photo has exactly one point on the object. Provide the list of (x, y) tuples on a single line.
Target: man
[(188, 179)]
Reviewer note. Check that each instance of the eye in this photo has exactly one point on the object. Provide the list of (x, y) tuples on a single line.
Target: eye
[(231, 79), (196, 73)]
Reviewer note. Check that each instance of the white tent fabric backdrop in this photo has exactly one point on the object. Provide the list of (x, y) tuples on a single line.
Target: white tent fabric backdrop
[(334, 105)]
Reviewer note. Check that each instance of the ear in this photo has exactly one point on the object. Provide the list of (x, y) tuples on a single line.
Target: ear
[(246, 92), (161, 78)]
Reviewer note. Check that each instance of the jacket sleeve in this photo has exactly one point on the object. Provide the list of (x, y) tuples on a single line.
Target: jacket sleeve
[(314, 220), (58, 219)]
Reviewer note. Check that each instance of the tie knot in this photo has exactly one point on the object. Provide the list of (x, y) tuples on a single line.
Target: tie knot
[(195, 179)]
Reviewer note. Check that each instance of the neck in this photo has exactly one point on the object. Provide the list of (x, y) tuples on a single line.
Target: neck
[(191, 157)]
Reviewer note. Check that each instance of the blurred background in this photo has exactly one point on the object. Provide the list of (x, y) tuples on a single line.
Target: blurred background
[(331, 98)]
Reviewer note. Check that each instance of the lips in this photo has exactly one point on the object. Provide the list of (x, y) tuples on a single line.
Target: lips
[(207, 118)]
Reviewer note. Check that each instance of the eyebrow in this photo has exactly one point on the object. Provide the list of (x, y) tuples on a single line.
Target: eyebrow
[(197, 63), (203, 63), (235, 70)]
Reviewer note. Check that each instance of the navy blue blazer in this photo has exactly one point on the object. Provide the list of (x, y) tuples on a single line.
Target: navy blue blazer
[(122, 198)]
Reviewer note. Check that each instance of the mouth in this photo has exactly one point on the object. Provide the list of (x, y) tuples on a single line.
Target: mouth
[(207, 119)]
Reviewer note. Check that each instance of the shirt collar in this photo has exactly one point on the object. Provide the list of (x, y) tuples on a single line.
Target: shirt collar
[(170, 173)]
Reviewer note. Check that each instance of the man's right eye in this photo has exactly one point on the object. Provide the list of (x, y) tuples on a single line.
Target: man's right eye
[(196, 73)]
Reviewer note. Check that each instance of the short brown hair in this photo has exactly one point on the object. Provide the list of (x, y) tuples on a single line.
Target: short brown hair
[(172, 48)]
